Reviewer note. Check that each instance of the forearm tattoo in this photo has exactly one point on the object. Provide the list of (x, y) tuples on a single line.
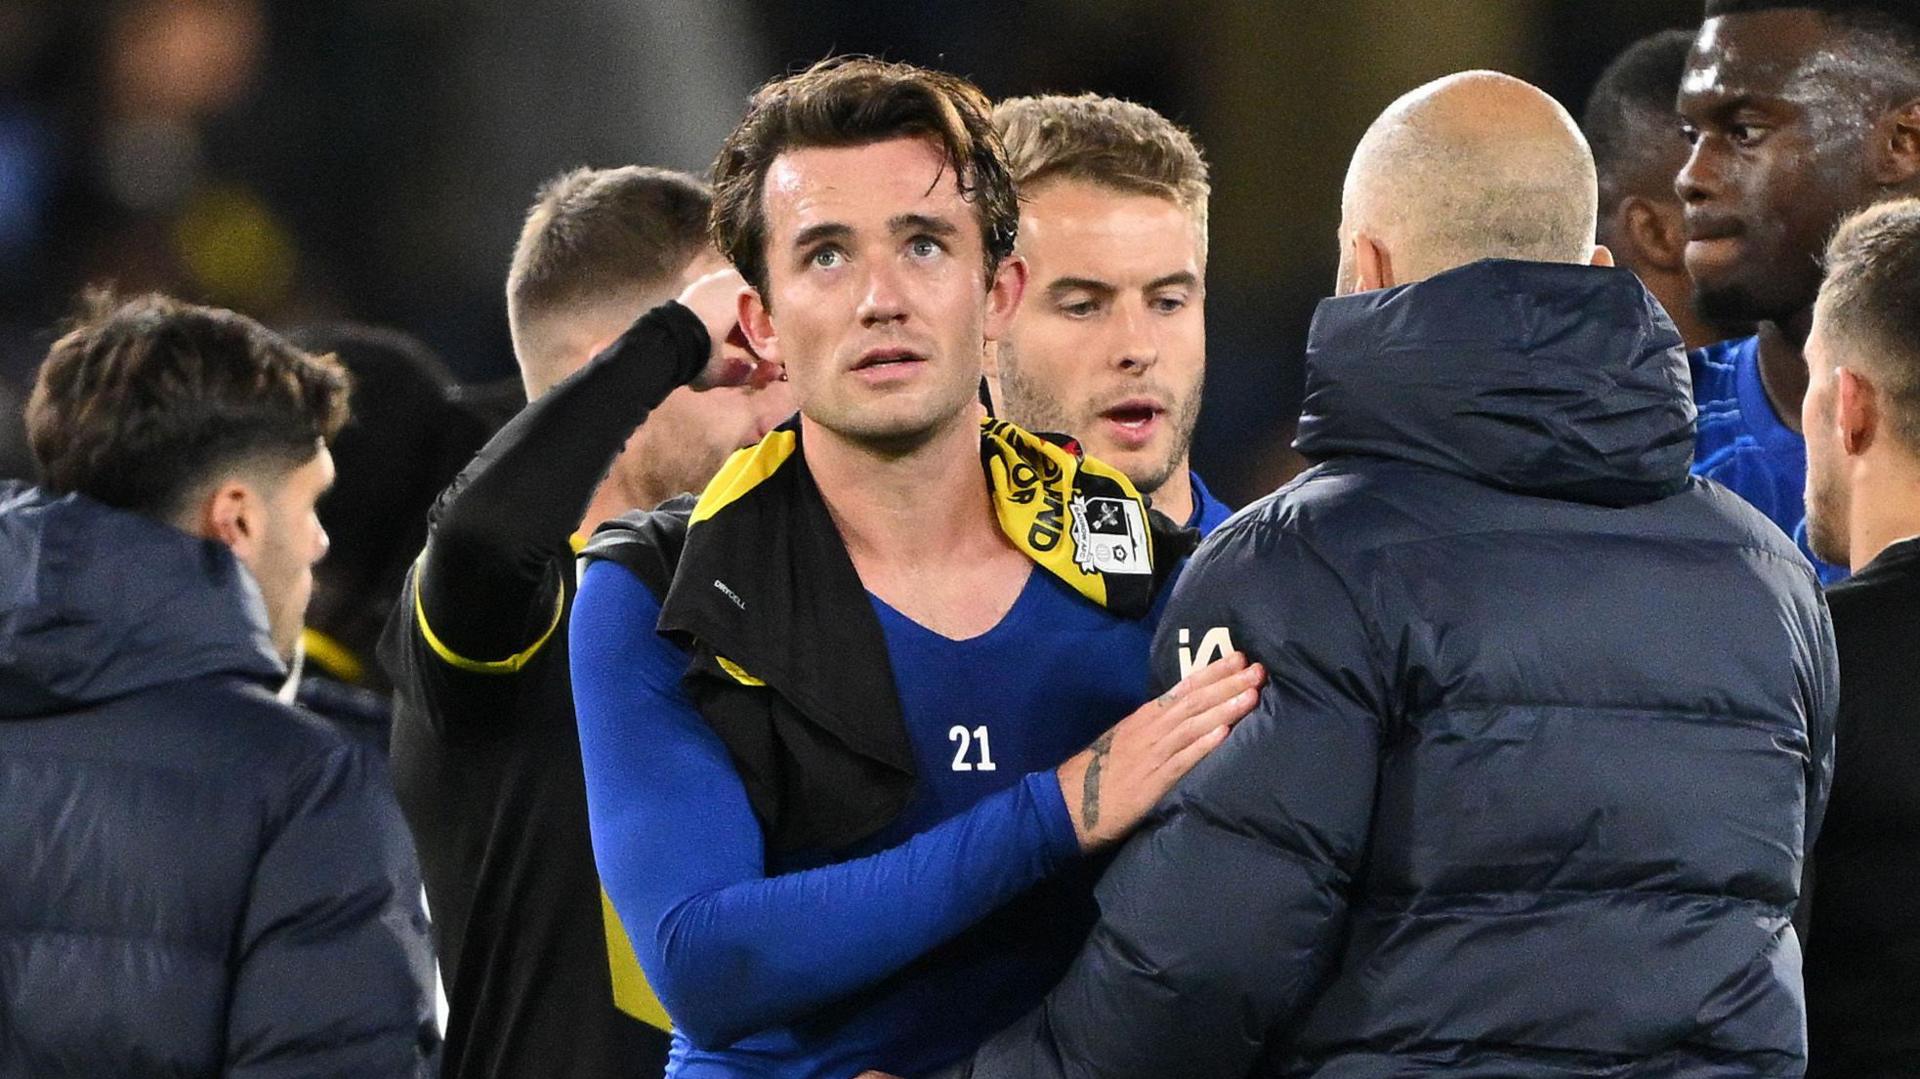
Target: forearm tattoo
[(1090, 788)]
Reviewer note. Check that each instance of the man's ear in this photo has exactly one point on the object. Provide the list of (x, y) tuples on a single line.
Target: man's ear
[(756, 322), (1372, 264), (1897, 143), (232, 513), (1009, 284), (1856, 410), (1657, 233)]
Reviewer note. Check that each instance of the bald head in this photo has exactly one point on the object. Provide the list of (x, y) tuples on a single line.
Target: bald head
[(1473, 166)]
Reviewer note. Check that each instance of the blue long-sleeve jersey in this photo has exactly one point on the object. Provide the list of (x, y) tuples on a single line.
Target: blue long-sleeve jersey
[(900, 953), (1742, 443)]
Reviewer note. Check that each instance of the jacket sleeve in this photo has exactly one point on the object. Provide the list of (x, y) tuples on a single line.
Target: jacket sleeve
[(489, 589), (1821, 693), (1221, 919), (328, 979), (730, 947)]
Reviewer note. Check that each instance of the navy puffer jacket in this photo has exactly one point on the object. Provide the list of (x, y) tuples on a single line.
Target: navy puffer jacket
[(1547, 728), (198, 880)]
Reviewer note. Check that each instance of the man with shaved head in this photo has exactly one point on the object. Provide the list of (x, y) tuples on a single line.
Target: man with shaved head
[(1496, 814)]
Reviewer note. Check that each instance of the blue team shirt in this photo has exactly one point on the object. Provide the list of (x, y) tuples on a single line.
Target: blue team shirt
[(1742, 444), (1209, 512), (907, 950)]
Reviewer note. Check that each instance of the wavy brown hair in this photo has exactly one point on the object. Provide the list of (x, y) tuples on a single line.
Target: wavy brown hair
[(853, 101)]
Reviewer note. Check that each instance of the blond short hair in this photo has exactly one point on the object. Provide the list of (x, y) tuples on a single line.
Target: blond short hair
[(1116, 144), (1871, 299)]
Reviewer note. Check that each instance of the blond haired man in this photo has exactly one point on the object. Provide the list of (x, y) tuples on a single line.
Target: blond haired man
[(1110, 342)]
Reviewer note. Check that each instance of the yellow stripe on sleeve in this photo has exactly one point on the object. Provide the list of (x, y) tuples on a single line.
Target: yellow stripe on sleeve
[(331, 656), (631, 993), (481, 666)]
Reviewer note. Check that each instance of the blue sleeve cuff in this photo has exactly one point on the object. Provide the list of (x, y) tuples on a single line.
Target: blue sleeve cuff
[(1043, 789)]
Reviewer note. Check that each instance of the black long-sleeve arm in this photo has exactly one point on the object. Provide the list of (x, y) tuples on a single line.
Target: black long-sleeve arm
[(488, 585)]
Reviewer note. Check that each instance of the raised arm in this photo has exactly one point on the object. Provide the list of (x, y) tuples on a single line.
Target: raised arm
[(488, 584), (487, 592)]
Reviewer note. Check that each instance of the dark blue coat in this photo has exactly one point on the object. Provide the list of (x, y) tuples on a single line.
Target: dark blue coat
[(198, 880), (1548, 721)]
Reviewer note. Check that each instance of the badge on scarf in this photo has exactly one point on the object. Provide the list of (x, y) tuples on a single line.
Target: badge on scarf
[(1110, 536)]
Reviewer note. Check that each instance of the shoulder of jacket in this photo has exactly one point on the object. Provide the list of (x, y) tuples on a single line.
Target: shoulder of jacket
[(263, 724), (243, 733), (646, 542)]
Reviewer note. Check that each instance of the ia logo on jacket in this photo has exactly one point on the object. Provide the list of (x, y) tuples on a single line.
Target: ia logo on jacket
[(1214, 644)]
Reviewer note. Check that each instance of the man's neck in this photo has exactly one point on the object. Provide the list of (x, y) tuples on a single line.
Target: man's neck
[(1886, 510), (925, 505), (1175, 497), (1783, 366), (1674, 291)]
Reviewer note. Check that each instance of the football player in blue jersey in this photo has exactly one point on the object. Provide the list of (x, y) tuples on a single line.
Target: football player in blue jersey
[(1109, 343), (850, 720), (1800, 112)]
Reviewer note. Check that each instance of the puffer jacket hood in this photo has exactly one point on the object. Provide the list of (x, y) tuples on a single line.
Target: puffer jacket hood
[(96, 603), (1563, 381)]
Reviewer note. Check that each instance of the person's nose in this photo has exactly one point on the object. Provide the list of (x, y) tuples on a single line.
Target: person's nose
[(884, 299), (1136, 347)]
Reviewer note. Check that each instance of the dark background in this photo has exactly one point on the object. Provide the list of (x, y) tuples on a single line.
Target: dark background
[(372, 159)]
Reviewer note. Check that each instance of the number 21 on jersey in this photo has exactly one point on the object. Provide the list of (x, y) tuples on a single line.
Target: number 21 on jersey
[(964, 757)]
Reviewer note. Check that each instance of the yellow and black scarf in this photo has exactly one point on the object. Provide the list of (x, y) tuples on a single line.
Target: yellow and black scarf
[(790, 664)]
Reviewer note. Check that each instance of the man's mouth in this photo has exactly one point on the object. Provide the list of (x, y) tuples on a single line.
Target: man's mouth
[(1133, 423), (1710, 229), (1715, 246), (887, 357)]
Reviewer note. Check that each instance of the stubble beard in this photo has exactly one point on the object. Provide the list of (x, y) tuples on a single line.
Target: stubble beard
[(1827, 507), (1037, 410)]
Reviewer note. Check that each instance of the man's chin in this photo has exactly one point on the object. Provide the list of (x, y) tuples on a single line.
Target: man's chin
[(1148, 468), (1726, 302), (1734, 301), (1828, 545)]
